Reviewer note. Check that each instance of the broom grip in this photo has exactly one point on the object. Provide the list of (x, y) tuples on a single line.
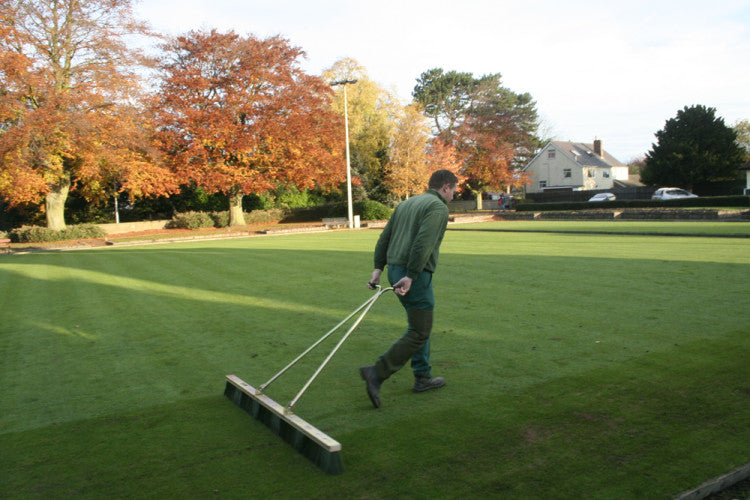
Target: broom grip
[(262, 387), (368, 305)]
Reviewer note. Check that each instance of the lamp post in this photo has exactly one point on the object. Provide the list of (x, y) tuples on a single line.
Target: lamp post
[(348, 168)]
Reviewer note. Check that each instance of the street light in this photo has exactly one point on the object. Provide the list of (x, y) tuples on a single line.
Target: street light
[(348, 168)]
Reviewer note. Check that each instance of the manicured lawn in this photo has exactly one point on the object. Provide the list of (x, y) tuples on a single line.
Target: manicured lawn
[(578, 366)]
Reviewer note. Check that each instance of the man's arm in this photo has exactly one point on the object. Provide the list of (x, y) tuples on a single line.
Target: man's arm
[(381, 256)]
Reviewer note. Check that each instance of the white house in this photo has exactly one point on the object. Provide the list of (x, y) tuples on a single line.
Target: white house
[(574, 165)]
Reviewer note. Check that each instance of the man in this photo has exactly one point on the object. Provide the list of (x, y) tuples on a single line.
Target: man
[(409, 246)]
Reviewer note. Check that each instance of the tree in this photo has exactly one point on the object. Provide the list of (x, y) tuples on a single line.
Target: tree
[(492, 128), (693, 149), (742, 130), (636, 164), (372, 114), (445, 97), (498, 136), (237, 115), (442, 156), (407, 171), (67, 118)]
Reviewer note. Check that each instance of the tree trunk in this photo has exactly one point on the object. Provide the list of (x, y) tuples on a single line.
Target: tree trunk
[(236, 217), (55, 204), (479, 199)]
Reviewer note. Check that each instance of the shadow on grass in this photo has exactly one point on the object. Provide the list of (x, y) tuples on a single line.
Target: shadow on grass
[(650, 431)]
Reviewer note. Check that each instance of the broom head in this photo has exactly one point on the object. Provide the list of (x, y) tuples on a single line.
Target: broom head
[(319, 447)]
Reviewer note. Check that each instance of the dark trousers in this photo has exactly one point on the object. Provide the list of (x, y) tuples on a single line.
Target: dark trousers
[(414, 345)]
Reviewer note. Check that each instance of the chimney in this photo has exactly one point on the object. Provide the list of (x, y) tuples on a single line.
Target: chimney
[(597, 146)]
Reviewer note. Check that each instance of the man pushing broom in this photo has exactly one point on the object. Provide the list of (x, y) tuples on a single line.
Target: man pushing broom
[(409, 245)]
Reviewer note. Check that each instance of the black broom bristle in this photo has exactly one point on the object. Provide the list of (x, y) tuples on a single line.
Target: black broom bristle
[(329, 461)]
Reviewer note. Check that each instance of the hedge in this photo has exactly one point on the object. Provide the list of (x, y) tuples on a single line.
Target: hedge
[(713, 201), (36, 234)]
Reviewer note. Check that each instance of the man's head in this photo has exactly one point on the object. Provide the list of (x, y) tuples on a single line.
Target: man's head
[(444, 182)]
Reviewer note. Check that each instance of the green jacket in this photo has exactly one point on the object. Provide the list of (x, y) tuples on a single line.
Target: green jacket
[(413, 234)]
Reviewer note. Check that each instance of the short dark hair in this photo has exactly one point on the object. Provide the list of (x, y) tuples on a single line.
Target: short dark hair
[(440, 178)]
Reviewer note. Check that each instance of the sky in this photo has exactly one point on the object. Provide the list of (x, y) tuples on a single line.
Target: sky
[(612, 70)]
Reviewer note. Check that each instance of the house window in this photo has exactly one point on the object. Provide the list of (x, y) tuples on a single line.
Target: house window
[(605, 174), (542, 184), (567, 172), (591, 172), (551, 154)]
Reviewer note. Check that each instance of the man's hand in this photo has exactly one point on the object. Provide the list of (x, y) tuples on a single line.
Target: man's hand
[(374, 279), (402, 286)]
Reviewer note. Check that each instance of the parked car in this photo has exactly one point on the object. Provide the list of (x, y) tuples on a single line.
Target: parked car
[(603, 197), (671, 194)]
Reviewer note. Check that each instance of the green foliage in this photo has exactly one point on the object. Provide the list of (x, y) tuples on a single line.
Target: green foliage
[(372, 210), (291, 197), (308, 214), (692, 149), (221, 219), (446, 97), (366, 209), (191, 220), (197, 220), (36, 234), (256, 216)]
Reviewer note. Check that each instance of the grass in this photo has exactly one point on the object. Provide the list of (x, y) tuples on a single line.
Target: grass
[(578, 365)]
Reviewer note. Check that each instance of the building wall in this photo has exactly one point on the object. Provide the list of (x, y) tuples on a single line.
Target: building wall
[(552, 170), (620, 173), (600, 178)]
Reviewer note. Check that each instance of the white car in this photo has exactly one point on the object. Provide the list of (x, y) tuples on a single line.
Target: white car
[(671, 194), (603, 197)]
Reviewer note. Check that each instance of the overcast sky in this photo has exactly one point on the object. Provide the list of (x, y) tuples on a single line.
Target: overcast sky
[(616, 70)]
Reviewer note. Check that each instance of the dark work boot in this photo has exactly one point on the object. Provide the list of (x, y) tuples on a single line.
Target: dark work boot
[(422, 384), (373, 384)]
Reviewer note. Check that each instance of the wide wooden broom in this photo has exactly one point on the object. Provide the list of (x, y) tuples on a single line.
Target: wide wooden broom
[(316, 445)]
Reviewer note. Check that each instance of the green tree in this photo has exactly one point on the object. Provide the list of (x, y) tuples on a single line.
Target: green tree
[(693, 149), (445, 97)]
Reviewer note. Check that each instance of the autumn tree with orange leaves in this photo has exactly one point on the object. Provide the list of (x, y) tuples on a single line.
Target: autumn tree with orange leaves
[(67, 118), (237, 115), (443, 156)]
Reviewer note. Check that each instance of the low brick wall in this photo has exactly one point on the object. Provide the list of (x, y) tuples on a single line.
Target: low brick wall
[(130, 227), (676, 214), (630, 214)]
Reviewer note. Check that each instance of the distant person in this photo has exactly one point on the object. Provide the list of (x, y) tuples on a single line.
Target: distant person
[(501, 203), (409, 246)]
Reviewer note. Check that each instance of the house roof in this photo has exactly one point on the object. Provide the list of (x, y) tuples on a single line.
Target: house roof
[(584, 155), (633, 181)]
